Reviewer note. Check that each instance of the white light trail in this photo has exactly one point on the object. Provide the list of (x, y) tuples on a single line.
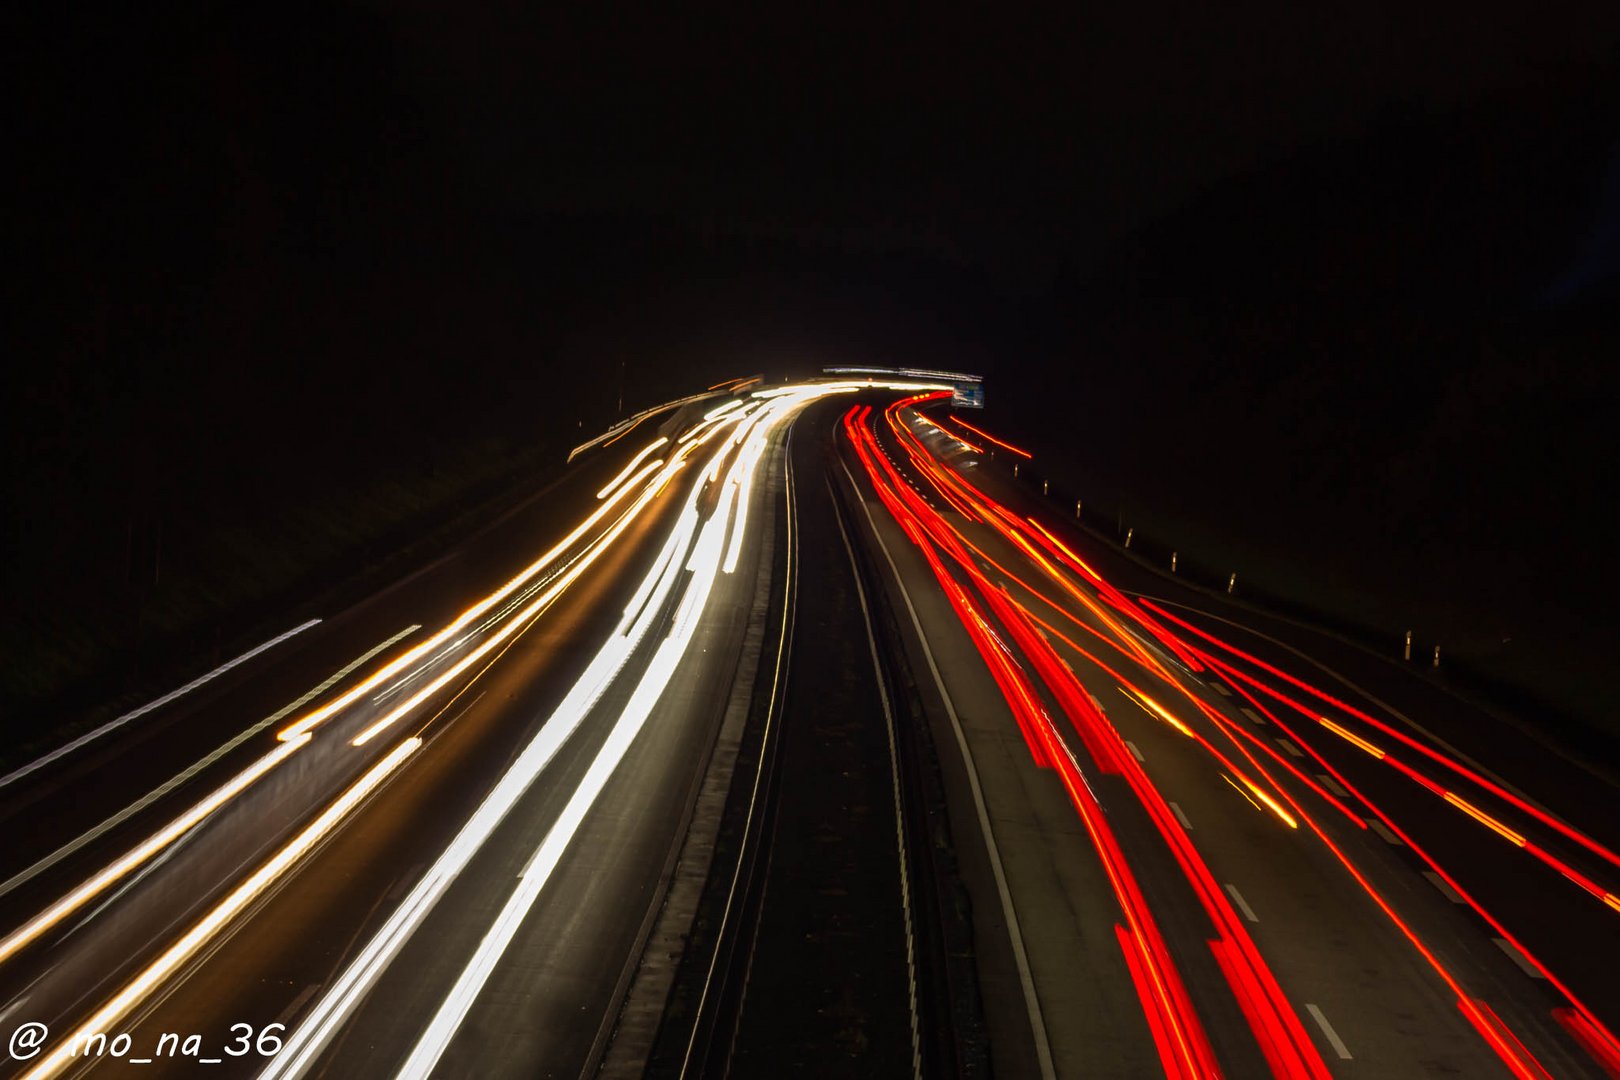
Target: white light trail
[(410, 657), (704, 564), (535, 606), (159, 840), (346, 992), (199, 765), (204, 930), (703, 549), (624, 474)]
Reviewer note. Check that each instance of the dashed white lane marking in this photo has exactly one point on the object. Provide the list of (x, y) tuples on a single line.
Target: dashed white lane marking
[(1219, 689), (1185, 824), (1518, 958), (1289, 747), (1378, 827), (1445, 890), (1252, 715), (1327, 1029), (1135, 753), (1332, 785), (1243, 905)]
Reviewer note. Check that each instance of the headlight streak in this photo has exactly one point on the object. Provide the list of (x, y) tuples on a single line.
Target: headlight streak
[(159, 840), (345, 993), (716, 413), (635, 462), (210, 924), (409, 657), (540, 602), (460, 620), (453, 1010), (299, 734), (624, 427), (200, 764), (295, 737)]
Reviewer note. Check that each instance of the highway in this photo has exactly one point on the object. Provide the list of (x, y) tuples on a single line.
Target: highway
[(785, 731), (1204, 862)]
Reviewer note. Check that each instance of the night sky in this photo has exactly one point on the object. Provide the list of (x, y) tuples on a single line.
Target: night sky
[(1332, 293)]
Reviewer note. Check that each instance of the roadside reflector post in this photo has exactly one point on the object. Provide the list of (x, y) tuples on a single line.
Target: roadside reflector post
[(1128, 534), (1077, 505), (1437, 656), (1045, 485), (1407, 654), (1015, 468), (1172, 562), (1231, 583)]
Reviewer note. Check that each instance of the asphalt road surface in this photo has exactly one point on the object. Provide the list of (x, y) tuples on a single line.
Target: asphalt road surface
[(789, 732)]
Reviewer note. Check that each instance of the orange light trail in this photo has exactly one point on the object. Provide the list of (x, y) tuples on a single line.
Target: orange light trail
[(1511, 1052), (1483, 818), (1351, 737), (1471, 775)]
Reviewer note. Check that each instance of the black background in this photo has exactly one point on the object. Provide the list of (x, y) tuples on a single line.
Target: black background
[(1326, 296)]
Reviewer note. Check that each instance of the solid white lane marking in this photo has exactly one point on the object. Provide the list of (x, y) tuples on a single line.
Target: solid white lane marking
[(1219, 689), (1378, 827), (1243, 905), (1185, 824), (1288, 746), (1327, 1029), (1252, 715), (1135, 753), (1032, 1005), (1445, 889), (114, 724), (1332, 785), (1518, 958), (196, 767)]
